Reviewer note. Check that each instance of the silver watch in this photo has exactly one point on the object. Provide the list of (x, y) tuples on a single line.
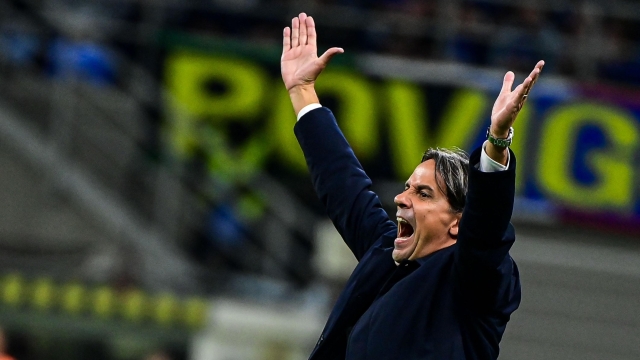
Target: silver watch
[(505, 142)]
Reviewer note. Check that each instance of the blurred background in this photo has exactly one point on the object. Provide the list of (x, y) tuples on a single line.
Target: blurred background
[(156, 205)]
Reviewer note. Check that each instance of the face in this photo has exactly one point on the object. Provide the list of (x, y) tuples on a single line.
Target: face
[(425, 220)]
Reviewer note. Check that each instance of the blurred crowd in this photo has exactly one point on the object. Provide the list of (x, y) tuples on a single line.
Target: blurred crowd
[(584, 39)]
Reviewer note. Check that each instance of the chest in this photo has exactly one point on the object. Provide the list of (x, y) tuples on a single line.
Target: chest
[(413, 312)]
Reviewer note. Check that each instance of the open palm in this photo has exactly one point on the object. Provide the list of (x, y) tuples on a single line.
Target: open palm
[(300, 64), (509, 103)]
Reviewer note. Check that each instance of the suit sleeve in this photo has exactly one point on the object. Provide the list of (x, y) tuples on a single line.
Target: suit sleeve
[(341, 183), (487, 276)]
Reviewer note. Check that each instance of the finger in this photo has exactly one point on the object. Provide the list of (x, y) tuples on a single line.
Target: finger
[(295, 32), (521, 93), (521, 89), (535, 73), (311, 32), (534, 77), (303, 28), (286, 39), (530, 81), (507, 83), (326, 57), (521, 104)]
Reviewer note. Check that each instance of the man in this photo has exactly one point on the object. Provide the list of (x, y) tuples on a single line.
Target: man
[(440, 284)]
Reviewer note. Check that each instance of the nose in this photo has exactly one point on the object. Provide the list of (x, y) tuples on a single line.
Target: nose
[(402, 201)]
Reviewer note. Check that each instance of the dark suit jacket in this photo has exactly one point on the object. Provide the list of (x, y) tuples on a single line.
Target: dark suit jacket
[(451, 304)]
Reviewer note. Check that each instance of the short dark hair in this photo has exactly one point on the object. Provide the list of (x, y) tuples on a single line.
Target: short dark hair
[(453, 167)]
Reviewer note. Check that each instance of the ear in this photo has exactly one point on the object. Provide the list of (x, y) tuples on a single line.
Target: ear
[(453, 229)]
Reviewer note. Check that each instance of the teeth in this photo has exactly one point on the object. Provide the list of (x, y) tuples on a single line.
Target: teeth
[(401, 220)]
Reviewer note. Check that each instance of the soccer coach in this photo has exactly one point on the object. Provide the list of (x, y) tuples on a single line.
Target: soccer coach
[(440, 283)]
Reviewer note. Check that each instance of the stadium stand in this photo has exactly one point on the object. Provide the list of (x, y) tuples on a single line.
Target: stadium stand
[(120, 229)]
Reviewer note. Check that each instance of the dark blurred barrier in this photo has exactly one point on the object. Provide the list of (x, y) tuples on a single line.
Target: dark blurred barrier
[(100, 303), (58, 320)]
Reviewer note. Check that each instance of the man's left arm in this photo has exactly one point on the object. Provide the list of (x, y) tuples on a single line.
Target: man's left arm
[(486, 235)]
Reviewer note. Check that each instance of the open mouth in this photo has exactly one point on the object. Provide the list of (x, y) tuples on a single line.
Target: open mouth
[(405, 230)]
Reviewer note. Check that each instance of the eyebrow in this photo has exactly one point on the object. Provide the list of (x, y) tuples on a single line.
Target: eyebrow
[(420, 187)]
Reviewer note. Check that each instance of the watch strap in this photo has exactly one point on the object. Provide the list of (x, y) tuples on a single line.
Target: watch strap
[(500, 142)]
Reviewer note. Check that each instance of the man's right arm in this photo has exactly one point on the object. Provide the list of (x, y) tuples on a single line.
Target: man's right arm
[(341, 183), (338, 177)]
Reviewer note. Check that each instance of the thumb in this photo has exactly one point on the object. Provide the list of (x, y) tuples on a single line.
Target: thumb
[(507, 83), (326, 57)]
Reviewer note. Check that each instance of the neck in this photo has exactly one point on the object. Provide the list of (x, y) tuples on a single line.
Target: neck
[(432, 247)]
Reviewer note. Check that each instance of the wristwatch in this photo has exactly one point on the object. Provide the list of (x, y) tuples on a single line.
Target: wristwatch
[(505, 142)]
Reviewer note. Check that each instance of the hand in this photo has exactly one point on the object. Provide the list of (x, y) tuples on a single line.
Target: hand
[(509, 103), (300, 64)]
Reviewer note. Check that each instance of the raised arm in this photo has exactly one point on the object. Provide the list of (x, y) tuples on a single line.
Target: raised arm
[(486, 235), (506, 108), (338, 177)]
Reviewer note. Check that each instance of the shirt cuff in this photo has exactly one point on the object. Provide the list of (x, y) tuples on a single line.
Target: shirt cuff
[(487, 164), (308, 108)]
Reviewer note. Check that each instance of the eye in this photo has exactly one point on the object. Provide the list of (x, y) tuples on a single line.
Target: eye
[(424, 194)]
